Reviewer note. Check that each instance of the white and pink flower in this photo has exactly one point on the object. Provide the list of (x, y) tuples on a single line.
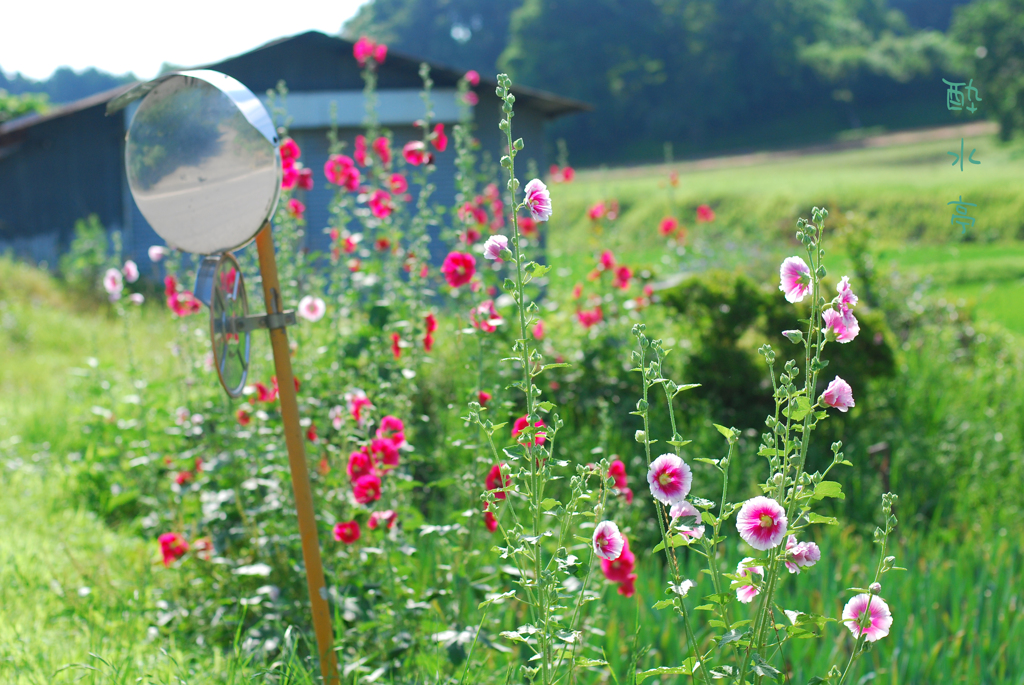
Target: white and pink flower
[(846, 297), (312, 308), (336, 417), (157, 252), (494, 245), (356, 401), (796, 279), (130, 271), (867, 614), (538, 200), (686, 510), (745, 569), (608, 541), (670, 479), (762, 523), (800, 554), (842, 323), (838, 395), (113, 283)]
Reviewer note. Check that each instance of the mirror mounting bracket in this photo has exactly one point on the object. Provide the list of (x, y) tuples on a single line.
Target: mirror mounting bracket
[(247, 324)]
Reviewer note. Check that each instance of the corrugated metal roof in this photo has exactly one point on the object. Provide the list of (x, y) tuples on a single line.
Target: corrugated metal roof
[(549, 104)]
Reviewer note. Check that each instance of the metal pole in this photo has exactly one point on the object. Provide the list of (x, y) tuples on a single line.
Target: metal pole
[(297, 462)]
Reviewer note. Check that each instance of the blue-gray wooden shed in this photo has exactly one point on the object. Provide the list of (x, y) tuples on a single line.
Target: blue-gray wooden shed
[(62, 166)]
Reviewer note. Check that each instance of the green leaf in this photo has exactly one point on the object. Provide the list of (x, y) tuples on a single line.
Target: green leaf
[(679, 443), (764, 669), (584, 662), (708, 518), (817, 518), (663, 603), (727, 432), (828, 488), (732, 636), (550, 504), (685, 669), (554, 366), (497, 599), (688, 386), (798, 408), (713, 462)]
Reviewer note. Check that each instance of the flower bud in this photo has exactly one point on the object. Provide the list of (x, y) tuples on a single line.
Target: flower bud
[(640, 436), (876, 588)]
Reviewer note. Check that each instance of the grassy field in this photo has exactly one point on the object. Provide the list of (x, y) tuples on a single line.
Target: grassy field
[(77, 598)]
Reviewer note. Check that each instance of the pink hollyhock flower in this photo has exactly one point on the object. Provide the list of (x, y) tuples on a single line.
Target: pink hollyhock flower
[(458, 268), (311, 433), (668, 225), (347, 532), (415, 152), (538, 200), (295, 381), (485, 317), (398, 184), (296, 208), (538, 331), (289, 177), (428, 342), (183, 303), (184, 477), (335, 416), (520, 425), (391, 428), (439, 140), (341, 171), (483, 398), (867, 614), (366, 489), (157, 252), (839, 395), (494, 481), (113, 283), (670, 479), (382, 146), (606, 261), (396, 345), (359, 465), (619, 569), (243, 417), (430, 323), (130, 271), (356, 401), (800, 554), (846, 297), (796, 279), (490, 521), (312, 308), (380, 53), (844, 326), (494, 245), (305, 180), (136, 298), (762, 523), (388, 517), (608, 541), (471, 99), (596, 212), (472, 77), (470, 236), (173, 546), (623, 275), (705, 214), (384, 452), (590, 317), (363, 50), (527, 226), (359, 150), (380, 204), (617, 471), (170, 285), (686, 510), (745, 593), (290, 152), (568, 173)]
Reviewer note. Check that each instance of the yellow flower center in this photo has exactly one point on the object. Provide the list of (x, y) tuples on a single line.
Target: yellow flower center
[(767, 521), (665, 478)]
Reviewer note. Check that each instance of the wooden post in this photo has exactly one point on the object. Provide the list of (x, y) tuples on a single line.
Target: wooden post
[(297, 462)]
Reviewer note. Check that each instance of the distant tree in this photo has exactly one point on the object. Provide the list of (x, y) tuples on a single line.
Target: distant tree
[(465, 34), (65, 84), (14, 106), (928, 14), (992, 35)]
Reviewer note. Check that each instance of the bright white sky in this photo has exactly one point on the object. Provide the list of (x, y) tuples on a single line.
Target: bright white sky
[(118, 36)]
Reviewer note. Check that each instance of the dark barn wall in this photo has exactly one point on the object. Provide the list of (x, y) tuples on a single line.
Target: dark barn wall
[(57, 172)]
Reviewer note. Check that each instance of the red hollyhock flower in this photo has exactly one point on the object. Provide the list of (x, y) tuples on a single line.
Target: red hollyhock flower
[(380, 204), (606, 261), (391, 428), (483, 398), (398, 184), (589, 317), (305, 180), (668, 225), (173, 547), (183, 477), (617, 471), (380, 53), (296, 208), (527, 226), (568, 173), (384, 453), (458, 268), (347, 532), (341, 171), (396, 347), (359, 150), (382, 146), (359, 465), (290, 152), (273, 381), (243, 417), (183, 303), (366, 489), (621, 570), (311, 433), (265, 394), (622, 277), (388, 516), (494, 481), (439, 139), (705, 214), (520, 425), (415, 152), (490, 521)]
